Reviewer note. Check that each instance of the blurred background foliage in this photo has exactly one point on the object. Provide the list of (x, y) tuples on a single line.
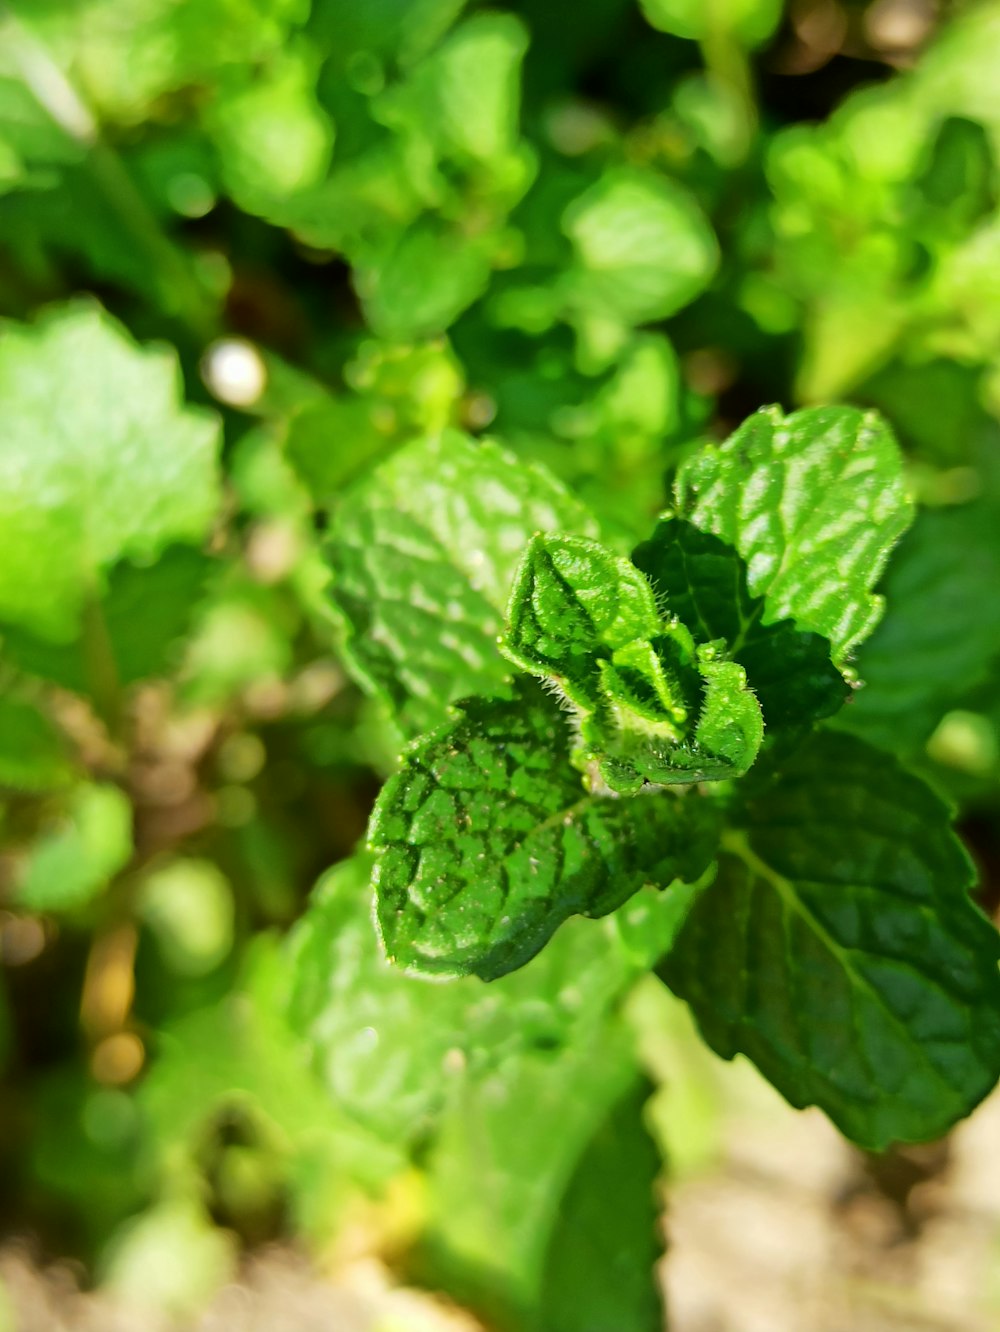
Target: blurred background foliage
[(248, 248)]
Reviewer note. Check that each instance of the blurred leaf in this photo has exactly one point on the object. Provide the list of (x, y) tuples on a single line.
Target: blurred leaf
[(76, 860), (145, 613), (33, 754), (271, 133), (423, 555), (749, 22), (101, 462), (941, 632), (523, 1133), (643, 248), (189, 906), (601, 1255), (839, 948), (127, 55), (388, 1046), (425, 281)]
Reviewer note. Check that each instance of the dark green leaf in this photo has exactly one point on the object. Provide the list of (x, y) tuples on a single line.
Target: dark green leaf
[(703, 581), (839, 948)]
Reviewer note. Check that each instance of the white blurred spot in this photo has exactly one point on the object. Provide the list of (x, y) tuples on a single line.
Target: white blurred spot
[(234, 372)]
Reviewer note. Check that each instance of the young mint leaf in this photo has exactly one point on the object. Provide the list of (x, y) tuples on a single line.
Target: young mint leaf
[(424, 552), (703, 581), (100, 462), (839, 948), (572, 604), (487, 842), (748, 22), (814, 502), (651, 707)]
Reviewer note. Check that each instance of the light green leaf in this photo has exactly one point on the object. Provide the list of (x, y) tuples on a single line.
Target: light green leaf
[(839, 948), (487, 842), (188, 904), (272, 135), (748, 22), (526, 1132), (424, 552), (33, 755), (427, 278), (643, 248), (387, 1046), (814, 502), (466, 94), (703, 581), (74, 862), (99, 462)]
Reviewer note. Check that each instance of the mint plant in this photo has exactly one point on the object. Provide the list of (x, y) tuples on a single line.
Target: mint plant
[(819, 904), (420, 694)]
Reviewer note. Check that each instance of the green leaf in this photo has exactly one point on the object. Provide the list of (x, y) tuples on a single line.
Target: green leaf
[(527, 1131), (572, 604), (643, 248), (486, 841), (941, 633), (143, 617), (424, 552), (814, 503), (386, 1045), (33, 755), (839, 948), (466, 94), (748, 22), (430, 275), (601, 1256), (703, 581), (650, 706), (74, 862), (100, 462)]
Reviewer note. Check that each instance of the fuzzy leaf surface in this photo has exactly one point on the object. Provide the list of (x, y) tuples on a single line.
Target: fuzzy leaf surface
[(424, 552), (814, 502), (839, 950), (703, 581), (487, 842)]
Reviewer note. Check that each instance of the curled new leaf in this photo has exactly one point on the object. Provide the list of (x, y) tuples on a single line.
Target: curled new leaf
[(651, 706)]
